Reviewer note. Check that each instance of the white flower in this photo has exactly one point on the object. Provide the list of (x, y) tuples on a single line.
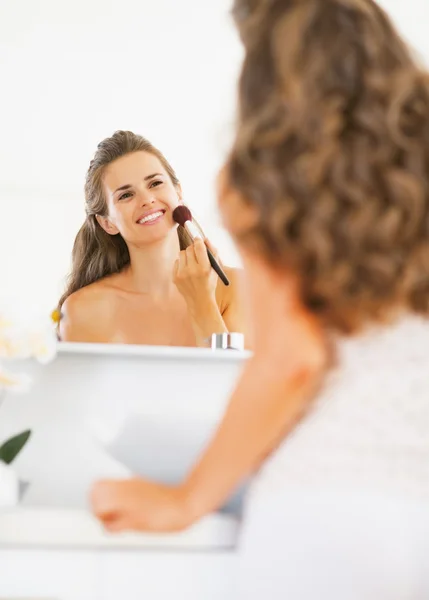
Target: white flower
[(14, 346), (9, 486), (43, 345), (24, 338), (14, 382), (13, 340), (4, 323)]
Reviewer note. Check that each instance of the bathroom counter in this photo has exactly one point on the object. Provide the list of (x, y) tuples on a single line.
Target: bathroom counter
[(65, 554), (74, 528), (174, 398)]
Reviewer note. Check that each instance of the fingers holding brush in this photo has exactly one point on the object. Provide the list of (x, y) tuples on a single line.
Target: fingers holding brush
[(194, 277), (200, 249), (213, 250), (183, 216)]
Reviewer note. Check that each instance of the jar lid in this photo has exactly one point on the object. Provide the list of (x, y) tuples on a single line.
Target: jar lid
[(227, 341)]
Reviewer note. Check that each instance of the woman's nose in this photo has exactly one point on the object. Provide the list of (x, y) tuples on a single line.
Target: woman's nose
[(146, 198)]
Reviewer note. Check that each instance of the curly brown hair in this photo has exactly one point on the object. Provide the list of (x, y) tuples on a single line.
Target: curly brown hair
[(332, 150)]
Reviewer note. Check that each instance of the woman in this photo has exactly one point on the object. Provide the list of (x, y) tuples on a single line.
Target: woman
[(137, 278), (326, 191)]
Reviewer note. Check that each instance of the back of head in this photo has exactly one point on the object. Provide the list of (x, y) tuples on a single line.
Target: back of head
[(96, 254), (332, 149)]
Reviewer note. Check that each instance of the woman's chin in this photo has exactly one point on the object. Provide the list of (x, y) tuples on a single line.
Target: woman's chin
[(153, 235)]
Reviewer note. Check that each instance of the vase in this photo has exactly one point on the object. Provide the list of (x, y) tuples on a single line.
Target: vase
[(9, 486)]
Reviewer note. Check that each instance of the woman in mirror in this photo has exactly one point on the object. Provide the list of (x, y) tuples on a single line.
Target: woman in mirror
[(326, 191), (137, 277)]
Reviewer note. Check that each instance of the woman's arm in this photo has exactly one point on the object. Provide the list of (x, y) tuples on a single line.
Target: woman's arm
[(212, 307), (223, 313), (274, 391), (263, 409), (235, 313), (206, 319)]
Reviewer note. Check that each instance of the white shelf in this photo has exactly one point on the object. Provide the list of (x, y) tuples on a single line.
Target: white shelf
[(169, 352)]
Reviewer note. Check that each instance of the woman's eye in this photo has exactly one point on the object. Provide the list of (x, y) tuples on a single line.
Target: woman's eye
[(125, 196), (156, 183)]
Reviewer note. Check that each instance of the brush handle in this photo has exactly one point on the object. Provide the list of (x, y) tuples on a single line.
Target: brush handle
[(217, 268), (195, 234)]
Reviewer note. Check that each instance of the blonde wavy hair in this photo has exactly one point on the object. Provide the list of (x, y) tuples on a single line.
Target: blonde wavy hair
[(332, 149)]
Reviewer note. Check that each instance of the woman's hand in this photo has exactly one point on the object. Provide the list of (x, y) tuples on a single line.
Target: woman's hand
[(197, 282), (139, 505), (194, 277)]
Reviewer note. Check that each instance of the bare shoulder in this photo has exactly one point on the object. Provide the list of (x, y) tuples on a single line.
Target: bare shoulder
[(230, 294), (85, 313), (92, 297)]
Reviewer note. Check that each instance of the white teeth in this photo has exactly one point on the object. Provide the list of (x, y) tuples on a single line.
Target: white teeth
[(151, 217)]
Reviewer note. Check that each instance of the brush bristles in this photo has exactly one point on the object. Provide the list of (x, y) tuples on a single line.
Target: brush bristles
[(181, 214)]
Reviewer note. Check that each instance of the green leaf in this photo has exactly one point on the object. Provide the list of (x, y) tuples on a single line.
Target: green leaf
[(13, 446)]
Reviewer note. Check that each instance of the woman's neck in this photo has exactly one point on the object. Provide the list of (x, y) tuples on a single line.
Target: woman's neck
[(151, 268)]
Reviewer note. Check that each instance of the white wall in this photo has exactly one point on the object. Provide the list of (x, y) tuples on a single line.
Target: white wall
[(73, 72), (411, 17)]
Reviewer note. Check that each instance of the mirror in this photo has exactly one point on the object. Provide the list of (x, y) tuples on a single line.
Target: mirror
[(72, 76), (164, 70)]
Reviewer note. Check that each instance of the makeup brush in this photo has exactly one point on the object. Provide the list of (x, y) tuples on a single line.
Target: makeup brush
[(183, 216)]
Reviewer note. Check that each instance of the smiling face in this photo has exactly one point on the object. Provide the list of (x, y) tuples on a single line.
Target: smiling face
[(140, 199)]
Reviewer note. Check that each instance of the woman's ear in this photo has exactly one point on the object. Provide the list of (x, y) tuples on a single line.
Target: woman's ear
[(107, 225)]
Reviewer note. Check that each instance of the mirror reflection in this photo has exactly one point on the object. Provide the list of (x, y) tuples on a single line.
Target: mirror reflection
[(139, 277), (164, 71)]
